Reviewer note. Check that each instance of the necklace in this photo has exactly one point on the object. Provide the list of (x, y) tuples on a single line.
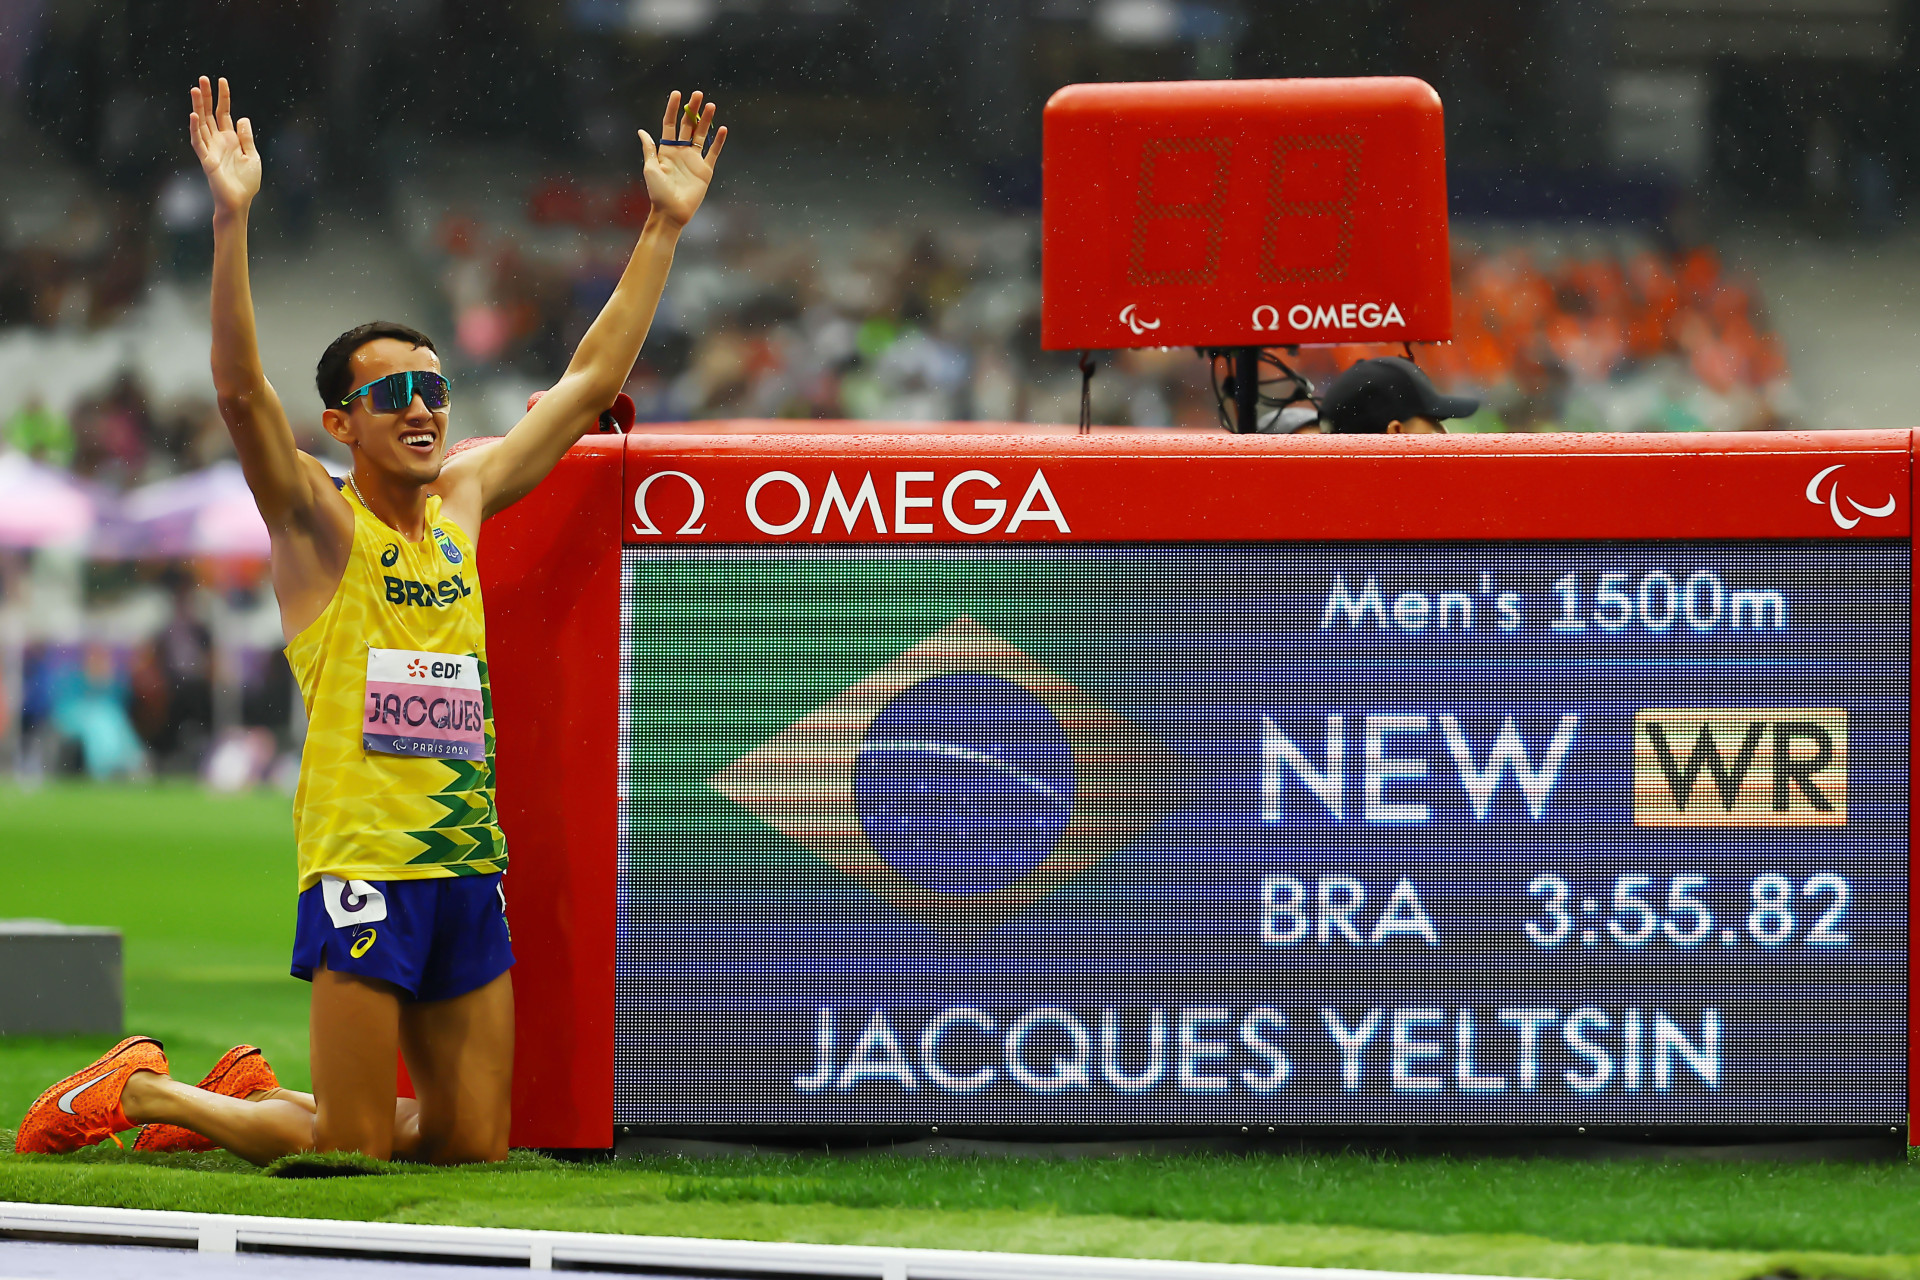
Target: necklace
[(370, 511)]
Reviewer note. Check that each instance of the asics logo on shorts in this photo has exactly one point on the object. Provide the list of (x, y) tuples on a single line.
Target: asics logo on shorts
[(351, 903), (364, 943)]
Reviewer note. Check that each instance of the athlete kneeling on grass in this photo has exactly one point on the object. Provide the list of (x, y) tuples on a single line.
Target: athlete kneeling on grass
[(401, 924)]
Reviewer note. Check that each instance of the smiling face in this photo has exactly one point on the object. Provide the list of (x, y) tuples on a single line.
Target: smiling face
[(410, 444)]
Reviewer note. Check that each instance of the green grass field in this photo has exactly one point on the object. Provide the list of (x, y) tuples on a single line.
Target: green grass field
[(200, 886), (202, 889)]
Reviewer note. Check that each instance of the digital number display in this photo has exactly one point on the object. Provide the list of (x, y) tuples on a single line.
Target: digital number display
[(1307, 233), (1481, 833), (1309, 229), (1244, 213)]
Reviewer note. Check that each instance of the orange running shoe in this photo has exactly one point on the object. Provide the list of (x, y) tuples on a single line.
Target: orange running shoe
[(85, 1107), (241, 1072)]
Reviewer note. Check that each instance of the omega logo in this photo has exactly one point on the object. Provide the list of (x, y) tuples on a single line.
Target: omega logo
[(963, 503), (1339, 315), (692, 525)]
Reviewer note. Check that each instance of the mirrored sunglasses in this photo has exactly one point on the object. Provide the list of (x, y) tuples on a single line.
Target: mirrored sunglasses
[(396, 391)]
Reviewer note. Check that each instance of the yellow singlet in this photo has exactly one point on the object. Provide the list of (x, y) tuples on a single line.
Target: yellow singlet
[(363, 815)]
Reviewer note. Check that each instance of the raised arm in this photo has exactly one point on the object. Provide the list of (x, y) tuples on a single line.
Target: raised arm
[(251, 409), (677, 175), (310, 525)]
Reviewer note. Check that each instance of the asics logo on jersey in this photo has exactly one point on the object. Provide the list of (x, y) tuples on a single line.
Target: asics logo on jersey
[(66, 1099), (390, 556), (427, 595)]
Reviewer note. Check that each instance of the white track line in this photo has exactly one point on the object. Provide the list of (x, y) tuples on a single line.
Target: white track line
[(540, 1250)]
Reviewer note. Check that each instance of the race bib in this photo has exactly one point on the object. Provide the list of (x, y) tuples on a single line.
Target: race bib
[(424, 704), (352, 902)]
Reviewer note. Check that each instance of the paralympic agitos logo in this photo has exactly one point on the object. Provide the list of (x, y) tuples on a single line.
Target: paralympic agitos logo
[(961, 782), (1820, 490)]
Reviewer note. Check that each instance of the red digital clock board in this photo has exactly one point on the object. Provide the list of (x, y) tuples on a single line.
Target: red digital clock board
[(1244, 213)]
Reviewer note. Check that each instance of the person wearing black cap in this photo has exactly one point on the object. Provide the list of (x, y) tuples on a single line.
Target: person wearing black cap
[(1389, 395)]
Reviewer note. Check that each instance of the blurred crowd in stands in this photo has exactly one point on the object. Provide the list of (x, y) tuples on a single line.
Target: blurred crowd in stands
[(85, 276), (1628, 341), (117, 659), (764, 318), (119, 438), (175, 677), (942, 322)]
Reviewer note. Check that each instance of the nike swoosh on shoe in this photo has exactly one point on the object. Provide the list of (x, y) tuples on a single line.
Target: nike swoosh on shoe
[(66, 1099)]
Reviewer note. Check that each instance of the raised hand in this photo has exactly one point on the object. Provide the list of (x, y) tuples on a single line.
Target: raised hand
[(227, 152), (678, 176)]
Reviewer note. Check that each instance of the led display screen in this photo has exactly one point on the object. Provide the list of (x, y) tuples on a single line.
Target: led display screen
[(1244, 212), (1480, 833)]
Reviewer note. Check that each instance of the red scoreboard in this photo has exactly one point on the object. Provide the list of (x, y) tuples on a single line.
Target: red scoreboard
[(1244, 213), (1139, 779)]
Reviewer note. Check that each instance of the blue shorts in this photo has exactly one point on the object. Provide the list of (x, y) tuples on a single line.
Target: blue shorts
[(434, 939)]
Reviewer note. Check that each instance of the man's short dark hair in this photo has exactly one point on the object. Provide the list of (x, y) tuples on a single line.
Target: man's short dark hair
[(335, 379)]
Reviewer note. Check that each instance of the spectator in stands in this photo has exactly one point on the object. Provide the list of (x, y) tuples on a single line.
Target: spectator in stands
[(185, 210), (175, 679), (121, 273), (112, 433), (126, 143), (147, 702), (296, 161), (90, 708), (41, 433), (19, 289)]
